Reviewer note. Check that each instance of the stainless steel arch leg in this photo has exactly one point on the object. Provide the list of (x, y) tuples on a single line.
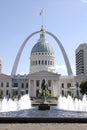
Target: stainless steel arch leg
[(15, 65), (69, 70)]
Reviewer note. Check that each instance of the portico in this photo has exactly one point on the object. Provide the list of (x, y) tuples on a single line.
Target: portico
[(35, 80)]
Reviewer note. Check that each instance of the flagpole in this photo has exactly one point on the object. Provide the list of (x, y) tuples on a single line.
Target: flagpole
[(42, 17)]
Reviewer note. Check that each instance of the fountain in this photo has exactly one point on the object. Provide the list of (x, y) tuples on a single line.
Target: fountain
[(70, 104), (21, 111), (64, 103), (7, 105)]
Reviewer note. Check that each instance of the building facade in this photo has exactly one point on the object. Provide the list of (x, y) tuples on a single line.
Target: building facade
[(5, 85), (81, 59), (81, 63)]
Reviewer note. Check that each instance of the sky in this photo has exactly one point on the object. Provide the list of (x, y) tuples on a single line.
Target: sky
[(66, 19)]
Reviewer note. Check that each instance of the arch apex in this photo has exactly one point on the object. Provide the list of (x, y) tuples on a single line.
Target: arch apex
[(15, 65)]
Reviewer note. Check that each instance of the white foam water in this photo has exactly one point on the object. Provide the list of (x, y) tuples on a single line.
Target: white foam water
[(70, 104), (7, 105), (64, 103)]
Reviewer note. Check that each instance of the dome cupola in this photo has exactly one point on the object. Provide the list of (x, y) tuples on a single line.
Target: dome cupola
[(42, 45), (42, 55)]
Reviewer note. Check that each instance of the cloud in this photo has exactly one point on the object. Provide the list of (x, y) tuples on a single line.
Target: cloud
[(61, 69), (22, 73), (73, 69), (84, 1)]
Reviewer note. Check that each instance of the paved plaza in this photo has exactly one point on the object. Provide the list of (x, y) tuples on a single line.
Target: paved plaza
[(43, 126)]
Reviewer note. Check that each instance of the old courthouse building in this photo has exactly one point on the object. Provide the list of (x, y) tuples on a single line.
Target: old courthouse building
[(42, 66)]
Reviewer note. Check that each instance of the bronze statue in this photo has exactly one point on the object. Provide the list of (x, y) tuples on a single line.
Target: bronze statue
[(44, 86)]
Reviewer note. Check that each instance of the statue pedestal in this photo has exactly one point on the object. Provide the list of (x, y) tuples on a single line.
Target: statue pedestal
[(44, 106)]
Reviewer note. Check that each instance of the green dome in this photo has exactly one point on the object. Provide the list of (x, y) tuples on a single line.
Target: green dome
[(42, 46)]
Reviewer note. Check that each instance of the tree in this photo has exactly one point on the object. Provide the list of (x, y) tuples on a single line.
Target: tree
[(83, 87), (1, 94)]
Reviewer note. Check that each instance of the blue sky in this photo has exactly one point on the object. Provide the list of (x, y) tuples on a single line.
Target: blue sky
[(67, 19)]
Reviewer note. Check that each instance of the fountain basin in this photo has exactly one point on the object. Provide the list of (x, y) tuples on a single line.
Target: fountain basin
[(67, 111), (42, 120), (33, 115), (44, 106)]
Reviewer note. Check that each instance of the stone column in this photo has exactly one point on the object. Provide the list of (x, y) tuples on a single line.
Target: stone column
[(29, 87), (40, 84), (59, 86), (35, 88), (52, 88)]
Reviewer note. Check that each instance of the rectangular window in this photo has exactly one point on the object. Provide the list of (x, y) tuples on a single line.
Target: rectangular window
[(68, 85), (22, 85), (7, 92), (37, 83), (62, 85), (7, 84), (15, 85), (45, 62), (62, 93), (26, 85), (42, 62), (49, 83), (26, 91), (2, 84), (39, 62)]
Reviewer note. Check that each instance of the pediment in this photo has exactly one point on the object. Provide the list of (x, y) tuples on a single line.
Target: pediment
[(44, 74), (4, 76)]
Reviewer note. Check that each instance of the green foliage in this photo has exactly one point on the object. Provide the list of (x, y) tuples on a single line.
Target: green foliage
[(0, 94), (83, 87), (44, 93)]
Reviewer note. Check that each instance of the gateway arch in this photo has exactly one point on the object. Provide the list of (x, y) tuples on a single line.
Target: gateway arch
[(15, 65)]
